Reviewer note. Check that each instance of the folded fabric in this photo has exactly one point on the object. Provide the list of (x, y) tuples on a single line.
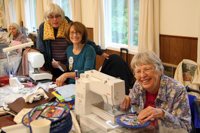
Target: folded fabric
[(35, 96), (20, 115)]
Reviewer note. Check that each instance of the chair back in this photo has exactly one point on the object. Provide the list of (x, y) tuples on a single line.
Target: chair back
[(195, 112), (187, 72), (116, 66), (23, 30)]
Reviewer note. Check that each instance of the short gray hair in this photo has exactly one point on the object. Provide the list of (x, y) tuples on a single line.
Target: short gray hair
[(16, 26), (146, 58), (53, 8)]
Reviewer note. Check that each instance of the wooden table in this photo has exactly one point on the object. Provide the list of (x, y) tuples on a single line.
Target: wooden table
[(6, 120)]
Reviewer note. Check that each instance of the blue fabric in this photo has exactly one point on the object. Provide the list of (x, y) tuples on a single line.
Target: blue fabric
[(85, 60), (195, 118)]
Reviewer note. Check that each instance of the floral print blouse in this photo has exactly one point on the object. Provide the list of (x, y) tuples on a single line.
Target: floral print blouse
[(172, 98)]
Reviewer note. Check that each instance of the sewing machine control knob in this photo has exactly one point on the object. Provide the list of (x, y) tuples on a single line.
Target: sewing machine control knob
[(117, 97)]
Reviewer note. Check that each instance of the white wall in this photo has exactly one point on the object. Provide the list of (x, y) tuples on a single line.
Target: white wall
[(180, 17)]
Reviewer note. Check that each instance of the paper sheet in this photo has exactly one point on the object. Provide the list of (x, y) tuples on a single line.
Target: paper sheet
[(67, 91)]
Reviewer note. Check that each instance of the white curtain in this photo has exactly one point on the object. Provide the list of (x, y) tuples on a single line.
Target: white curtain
[(76, 10), (39, 12), (40, 6), (29, 15), (2, 17), (148, 35), (99, 30), (16, 15), (23, 17), (18, 8), (8, 12)]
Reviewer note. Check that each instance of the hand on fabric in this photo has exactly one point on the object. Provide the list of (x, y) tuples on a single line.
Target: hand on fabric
[(150, 113), (60, 80), (126, 103), (105, 55)]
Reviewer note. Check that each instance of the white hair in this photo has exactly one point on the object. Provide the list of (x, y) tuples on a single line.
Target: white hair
[(147, 57), (16, 26), (53, 8)]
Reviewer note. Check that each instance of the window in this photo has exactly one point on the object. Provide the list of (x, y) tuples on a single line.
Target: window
[(65, 5), (13, 11), (30, 13), (121, 20)]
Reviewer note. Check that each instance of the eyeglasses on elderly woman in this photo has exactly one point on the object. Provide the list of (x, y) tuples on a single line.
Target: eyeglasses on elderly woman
[(147, 70), (52, 17)]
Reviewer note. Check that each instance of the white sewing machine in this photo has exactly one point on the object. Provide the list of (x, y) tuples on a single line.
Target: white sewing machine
[(36, 61), (96, 96)]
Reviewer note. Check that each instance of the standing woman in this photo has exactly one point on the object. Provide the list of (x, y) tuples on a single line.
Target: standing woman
[(15, 33), (80, 56), (51, 38)]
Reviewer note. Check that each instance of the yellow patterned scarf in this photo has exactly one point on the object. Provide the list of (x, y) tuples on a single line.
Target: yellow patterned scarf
[(49, 30)]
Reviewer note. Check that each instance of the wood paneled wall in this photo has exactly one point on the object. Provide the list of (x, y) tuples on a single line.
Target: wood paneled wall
[(173, 49), (90, 33)]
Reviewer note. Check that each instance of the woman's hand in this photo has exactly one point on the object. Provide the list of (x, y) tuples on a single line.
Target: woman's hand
[(150, 113), (60, 80), (54, 64), (105, 55), (126, 103)]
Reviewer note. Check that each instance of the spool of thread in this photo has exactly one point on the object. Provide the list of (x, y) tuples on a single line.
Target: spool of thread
[(76, 74)]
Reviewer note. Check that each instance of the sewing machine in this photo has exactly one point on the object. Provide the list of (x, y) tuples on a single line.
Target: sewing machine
[(36, 61), (97, 94)]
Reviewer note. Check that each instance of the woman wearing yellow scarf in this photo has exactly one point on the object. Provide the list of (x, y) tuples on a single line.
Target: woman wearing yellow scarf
[(51, 38)]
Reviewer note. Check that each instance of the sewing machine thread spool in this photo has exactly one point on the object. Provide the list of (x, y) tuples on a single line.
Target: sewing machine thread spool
[(76, 74)]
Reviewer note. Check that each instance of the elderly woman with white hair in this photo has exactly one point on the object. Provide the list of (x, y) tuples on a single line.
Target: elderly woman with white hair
[(160, 97), (16, 34), (51, 39)]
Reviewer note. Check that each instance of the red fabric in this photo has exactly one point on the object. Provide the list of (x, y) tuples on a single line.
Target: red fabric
[(150, 101), (43, 68)]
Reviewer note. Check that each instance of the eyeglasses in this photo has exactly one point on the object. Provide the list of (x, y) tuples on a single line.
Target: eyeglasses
[(12, 28), (73, 33), (56, 16), (145, 70)]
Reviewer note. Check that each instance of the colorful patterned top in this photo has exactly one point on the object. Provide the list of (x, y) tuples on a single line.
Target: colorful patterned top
[(172, 98)]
